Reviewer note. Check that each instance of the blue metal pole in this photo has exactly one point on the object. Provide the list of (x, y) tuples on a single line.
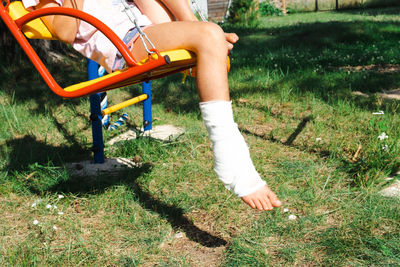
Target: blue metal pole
[(95, 116), (147, 117)]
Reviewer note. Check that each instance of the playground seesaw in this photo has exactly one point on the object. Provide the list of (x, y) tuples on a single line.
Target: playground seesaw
[(26, 25)]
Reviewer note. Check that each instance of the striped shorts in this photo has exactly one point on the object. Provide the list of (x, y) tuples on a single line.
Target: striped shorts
[(130, 37)]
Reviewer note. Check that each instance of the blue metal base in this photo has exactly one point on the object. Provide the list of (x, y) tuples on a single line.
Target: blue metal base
[(147, 116), (96, 116)]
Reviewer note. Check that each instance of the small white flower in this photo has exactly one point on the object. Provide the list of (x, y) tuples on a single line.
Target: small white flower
[(48, 206), (318, 139), (383, 136), (60, 196), (380, 112), (60, 213), (33, 204), (285, 210), (179, 235), (54, 207), (292, 217), (35, 222), (276, 65), (385, 147), (54, 227)]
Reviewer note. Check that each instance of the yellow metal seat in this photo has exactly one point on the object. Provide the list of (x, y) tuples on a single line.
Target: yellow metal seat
[(35, 29)]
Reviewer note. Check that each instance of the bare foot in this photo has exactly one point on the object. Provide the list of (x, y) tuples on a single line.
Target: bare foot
[(262, 199), (231, 38)]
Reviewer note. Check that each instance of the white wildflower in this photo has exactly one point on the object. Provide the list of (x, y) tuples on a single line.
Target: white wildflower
[(385, 147), (285, 210), (292, 217), (36, 202), (54, 227), (179, 235), (54, 207), (35, 222), (383, 136), (48, 206), (60, 213), (318, 139), (60, 196), (380, 112)]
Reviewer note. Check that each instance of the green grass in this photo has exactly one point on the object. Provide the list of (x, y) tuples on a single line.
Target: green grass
[(293, 82)]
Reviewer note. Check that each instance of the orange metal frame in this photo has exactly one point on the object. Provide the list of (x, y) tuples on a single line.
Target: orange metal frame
[(133, 70)]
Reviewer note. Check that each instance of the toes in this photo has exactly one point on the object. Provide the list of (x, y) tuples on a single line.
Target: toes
[(266, 203), (258, 205), (274, 199), (251, 203)]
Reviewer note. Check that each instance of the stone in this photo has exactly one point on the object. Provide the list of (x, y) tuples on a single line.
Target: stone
[(392, 191), (166, 133)]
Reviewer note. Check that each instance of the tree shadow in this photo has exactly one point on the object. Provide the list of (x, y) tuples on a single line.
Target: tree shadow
[(374, 11), (291, 138), (177, 219)]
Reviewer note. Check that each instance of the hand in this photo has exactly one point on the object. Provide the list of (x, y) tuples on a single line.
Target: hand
[(231, 38), (262, 199)]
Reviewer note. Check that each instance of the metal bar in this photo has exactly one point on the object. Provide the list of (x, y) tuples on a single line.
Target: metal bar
[(95, 116), (147, 116), (124, 104)]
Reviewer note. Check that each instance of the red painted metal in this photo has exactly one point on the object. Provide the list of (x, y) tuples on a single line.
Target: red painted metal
[(103, 85)]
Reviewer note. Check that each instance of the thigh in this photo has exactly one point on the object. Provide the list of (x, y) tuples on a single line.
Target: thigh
[(154, 10), (190, 35)]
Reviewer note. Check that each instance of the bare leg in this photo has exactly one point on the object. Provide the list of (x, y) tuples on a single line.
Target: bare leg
[(205, 39), (158, 13), (208, 41)]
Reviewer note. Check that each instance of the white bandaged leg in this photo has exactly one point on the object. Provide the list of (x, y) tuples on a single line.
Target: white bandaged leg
[(232, 161)]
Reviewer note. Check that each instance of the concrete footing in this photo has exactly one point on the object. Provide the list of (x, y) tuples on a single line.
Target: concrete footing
[(110, 166), (166, 133)]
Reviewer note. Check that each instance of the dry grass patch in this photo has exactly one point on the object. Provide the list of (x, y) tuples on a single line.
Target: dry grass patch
[(379, 68)]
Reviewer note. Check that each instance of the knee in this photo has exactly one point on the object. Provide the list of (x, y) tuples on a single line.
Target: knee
[(213, 36)]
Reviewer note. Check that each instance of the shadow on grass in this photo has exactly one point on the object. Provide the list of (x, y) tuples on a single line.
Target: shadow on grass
[(29, 155), (177, 219), (308, 57), (291, 138), (390, 10), (174, 215), (25, 151)]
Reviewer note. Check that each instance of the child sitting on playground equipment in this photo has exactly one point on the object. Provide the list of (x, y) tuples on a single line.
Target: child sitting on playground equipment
[(177, 28)]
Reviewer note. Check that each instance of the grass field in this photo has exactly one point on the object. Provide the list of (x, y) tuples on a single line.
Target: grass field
[(304, 89)]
